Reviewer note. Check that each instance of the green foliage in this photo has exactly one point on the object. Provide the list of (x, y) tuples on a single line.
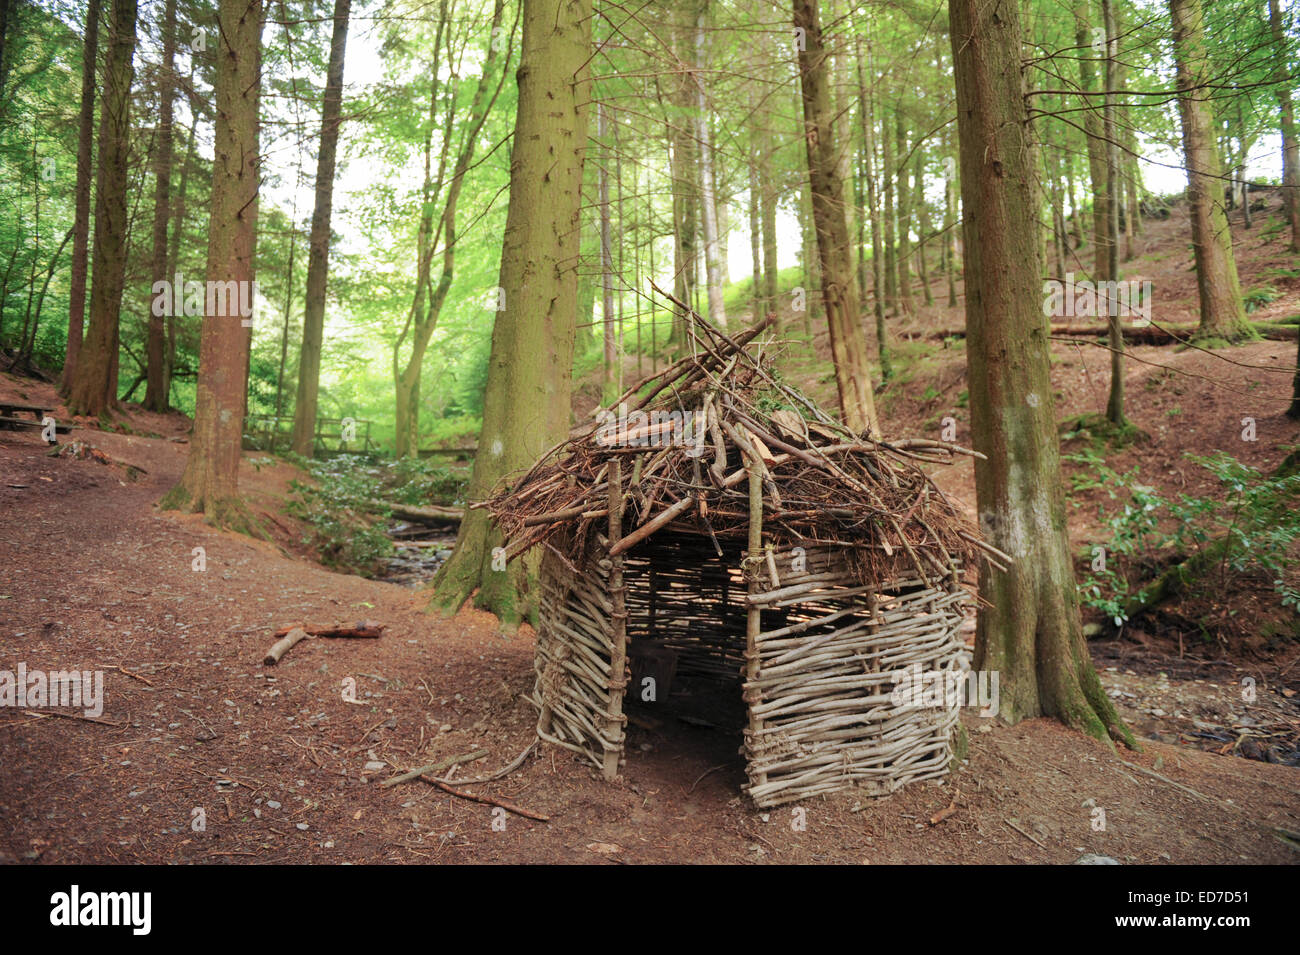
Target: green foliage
[(1250, 532), (419, 481), (338, 507), (1257, 298)]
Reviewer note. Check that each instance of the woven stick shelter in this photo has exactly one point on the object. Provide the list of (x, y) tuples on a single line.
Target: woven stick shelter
[(716, 521)]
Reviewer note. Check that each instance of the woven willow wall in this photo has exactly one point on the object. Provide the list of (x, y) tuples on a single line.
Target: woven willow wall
[(829, 652), (821, 715)]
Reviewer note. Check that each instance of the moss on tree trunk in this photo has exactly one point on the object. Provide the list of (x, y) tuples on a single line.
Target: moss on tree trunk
[(1029, 630), (526, 403)]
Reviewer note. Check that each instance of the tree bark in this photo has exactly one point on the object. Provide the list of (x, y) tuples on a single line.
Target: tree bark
[(770, 198), (313, 319), (81, 219), (907, 301), (887, 174), (210, 482), (94, 385), (840, 296), (682, 166), (922, 229), (606, 248), (708, 193), (1290, 140), (866, 115), (1223, 317), (755, 244), (1028, 629), (155, 395), (526, 407), (1110, 201)]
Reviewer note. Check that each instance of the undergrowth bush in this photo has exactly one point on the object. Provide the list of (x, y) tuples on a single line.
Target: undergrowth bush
[(1250, 531)]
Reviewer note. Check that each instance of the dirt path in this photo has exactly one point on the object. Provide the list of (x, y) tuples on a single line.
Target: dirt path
[(94, 578)]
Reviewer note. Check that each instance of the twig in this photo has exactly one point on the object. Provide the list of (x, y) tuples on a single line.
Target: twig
[(1013, 825), (123, 670), (711, 769), (433, 768), (70, 716), (507, 806)]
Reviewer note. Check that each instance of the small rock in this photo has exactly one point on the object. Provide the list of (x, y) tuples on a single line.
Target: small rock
[(1091, 859)]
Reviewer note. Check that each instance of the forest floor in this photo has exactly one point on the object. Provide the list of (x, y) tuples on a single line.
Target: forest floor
[(281, 767)]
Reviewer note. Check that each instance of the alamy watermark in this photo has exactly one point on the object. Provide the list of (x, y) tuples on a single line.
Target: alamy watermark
[(35, 689), (919, 689), (214, 299), (1088, 299), (654, 429)]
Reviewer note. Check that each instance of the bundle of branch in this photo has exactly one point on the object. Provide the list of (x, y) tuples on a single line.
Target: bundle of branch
[(686, 435)]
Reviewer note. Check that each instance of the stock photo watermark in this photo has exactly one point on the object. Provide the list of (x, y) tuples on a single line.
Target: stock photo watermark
[(654, 429), (215, 299), (916, 688), (1083, 298), (37, 689)]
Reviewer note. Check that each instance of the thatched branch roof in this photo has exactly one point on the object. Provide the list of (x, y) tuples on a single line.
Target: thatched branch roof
[(684, 437)]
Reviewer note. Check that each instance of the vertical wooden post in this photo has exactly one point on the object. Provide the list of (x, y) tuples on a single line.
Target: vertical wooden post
[(754, 620), (618, 628)]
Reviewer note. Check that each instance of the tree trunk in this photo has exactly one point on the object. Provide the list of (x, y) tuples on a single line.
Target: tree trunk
[(318, 253), (155, 395), (81, 220), (767, 184), (950, 236), (94, 385), (1223, 318), (178, 229), (1110, 202), (840, 295), (606, 247), (907, 302), (1290, 141), (210, 482), (682, 165), (922, 229), (866, 114), (526, 407), (887, 173), (755, 245), (708, 192), (1028, 629)]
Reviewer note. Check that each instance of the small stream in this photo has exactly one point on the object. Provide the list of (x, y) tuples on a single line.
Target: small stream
[(420, 550)]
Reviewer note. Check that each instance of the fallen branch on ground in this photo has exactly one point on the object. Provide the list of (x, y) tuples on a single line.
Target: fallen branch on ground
[(70, 716), (433, 768), (284, 645), (488, 800), (362, 628)]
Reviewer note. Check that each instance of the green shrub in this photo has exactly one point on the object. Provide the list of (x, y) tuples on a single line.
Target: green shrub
[(1250, 531)]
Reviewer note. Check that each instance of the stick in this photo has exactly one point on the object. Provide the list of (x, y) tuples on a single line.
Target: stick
[(284, 645), (505, 770), (362, 628), (944, 813), (508, 807), (1165, 779), (125, 672), (645, 530), (433, 768), (71, 716), (1023, 833)]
